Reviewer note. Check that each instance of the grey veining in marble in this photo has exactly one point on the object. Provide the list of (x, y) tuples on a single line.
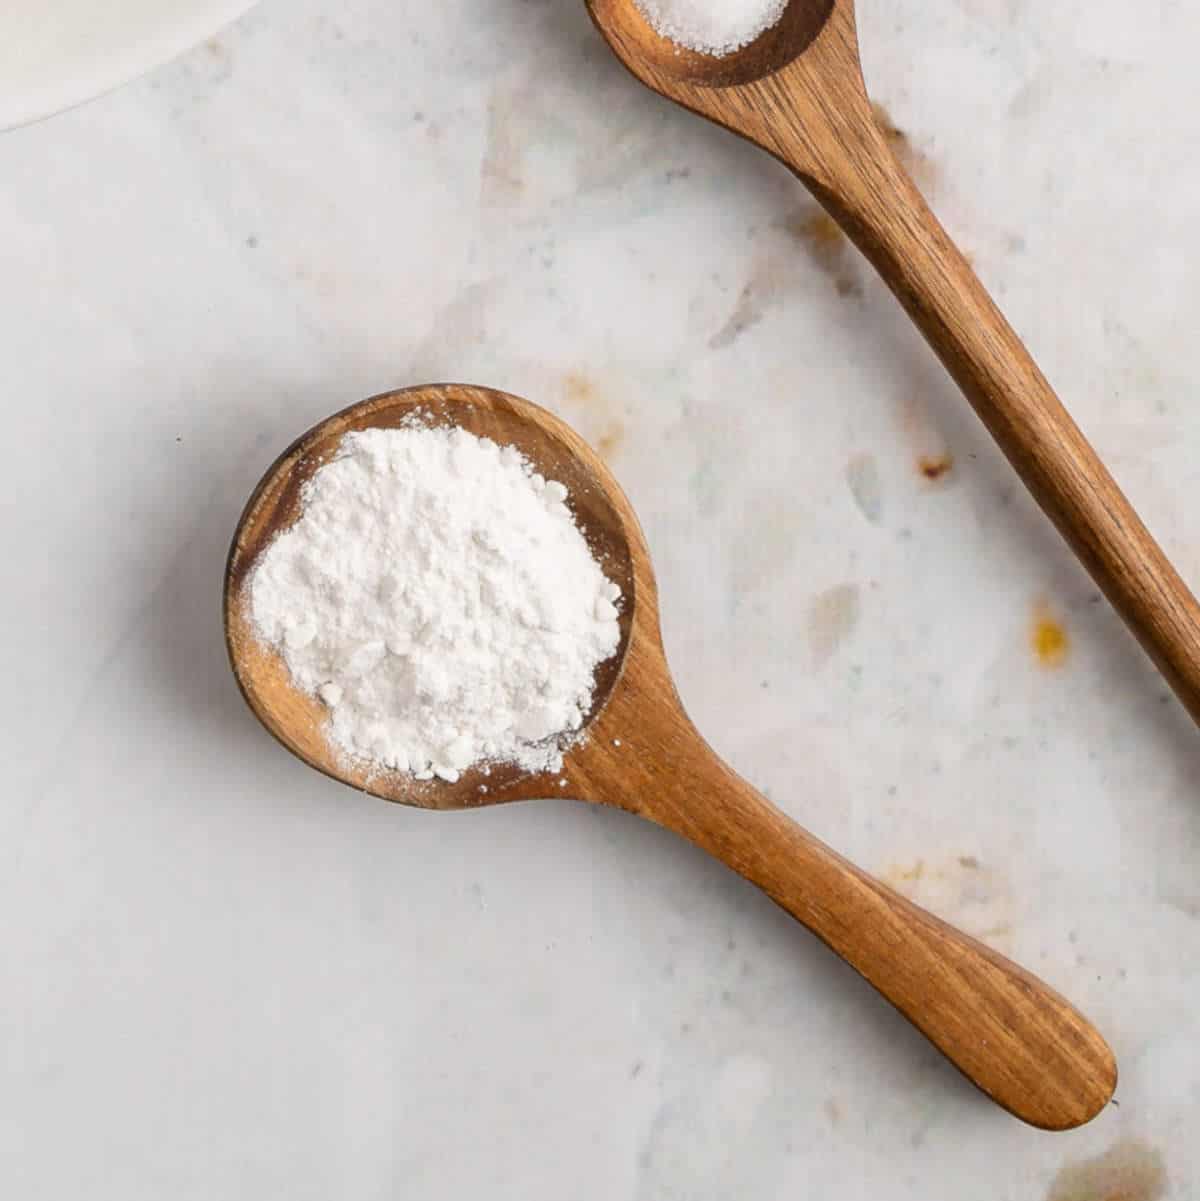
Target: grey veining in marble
[(225, 977)]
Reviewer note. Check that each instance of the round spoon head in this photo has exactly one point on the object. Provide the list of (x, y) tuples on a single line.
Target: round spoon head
[(600, 508), (660, 62)]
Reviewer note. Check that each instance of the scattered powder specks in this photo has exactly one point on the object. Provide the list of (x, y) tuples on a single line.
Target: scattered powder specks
[(438, 598), (712, 26)]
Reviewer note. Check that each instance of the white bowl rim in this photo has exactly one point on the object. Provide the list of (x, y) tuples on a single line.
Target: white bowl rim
[(81, 77)]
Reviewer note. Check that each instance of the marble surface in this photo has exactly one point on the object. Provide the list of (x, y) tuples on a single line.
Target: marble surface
[(225, 976)]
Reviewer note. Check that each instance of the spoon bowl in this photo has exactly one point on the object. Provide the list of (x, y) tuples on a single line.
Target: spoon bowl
[(557, 452), (1007, 1031), (640, 46)]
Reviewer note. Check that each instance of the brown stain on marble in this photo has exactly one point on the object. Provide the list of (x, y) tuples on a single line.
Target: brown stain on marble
[(936, 468), (1131, 1170), (578, 387), (1048, 638), (600, 424), (832, 618), (918, 164), (749, 310), (609, 442), (933, 461), (827, 246), (817, 230)]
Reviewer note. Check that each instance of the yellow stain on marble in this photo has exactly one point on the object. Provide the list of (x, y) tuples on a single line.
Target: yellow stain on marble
[(962, 890), (1048, 638)]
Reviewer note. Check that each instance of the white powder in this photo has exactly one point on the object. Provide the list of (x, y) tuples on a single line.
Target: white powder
[(712, 26), (438, 597)]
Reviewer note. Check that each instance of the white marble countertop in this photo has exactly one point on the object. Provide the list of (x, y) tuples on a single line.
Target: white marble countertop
[(226, 977)]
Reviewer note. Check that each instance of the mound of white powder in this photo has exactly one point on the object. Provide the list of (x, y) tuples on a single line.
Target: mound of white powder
[(716, 27), (438, 597)]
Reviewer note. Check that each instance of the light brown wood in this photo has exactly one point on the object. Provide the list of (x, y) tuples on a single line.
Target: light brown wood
[(798, 92), (1012, 1035)]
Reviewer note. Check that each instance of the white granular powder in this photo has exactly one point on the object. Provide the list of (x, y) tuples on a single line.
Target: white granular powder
[(438, 597), (712, 26)]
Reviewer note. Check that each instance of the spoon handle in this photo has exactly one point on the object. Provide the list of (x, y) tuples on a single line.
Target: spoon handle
[(1004, 1029), (868, 192)]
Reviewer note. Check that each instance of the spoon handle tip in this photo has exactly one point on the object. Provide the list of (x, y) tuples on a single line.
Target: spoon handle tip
[(1008, 1032)]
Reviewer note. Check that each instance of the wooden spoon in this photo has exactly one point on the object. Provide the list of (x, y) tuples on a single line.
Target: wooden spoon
[(798, 92), (1009, 1033)]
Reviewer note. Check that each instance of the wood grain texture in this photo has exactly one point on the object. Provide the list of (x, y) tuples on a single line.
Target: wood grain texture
[(1012, 1035), (798, 92)]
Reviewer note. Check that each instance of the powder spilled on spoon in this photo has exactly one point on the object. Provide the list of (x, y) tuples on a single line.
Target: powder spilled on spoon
[(716, 27), (438, 597)]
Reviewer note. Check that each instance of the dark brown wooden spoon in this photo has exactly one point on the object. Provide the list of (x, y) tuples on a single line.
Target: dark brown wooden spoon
[(798, 92), (1007, 1031)]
